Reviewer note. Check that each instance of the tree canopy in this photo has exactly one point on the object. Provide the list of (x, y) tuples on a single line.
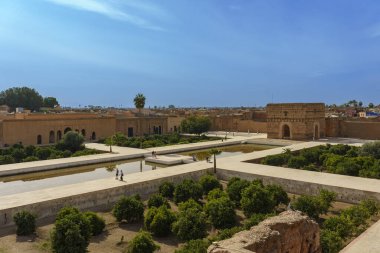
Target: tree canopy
[(196, 124), (21, 97), (139, 101), (50, 102)]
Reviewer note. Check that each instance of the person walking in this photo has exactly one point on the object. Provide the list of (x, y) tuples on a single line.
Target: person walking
[(117, 174), (121, 175)]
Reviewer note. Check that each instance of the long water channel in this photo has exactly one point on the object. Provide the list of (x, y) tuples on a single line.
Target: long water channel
[(47, 179)]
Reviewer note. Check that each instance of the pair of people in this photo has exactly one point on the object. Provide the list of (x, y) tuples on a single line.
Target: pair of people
[(121, 174)]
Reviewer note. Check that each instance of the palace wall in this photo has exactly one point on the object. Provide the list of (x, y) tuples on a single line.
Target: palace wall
[(296, 121), (239, 123), (51, 131)]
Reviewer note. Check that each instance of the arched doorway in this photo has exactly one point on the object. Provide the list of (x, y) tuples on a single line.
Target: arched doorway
[(93, 136), (59, 135), (316, 132), (83, 132), (67, 129), (285, 132), (39, 139), (51, 137)]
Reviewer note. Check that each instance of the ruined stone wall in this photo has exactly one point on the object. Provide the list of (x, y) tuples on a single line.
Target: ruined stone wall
[(27, 130), (362, 129), (174, 123), (289, 232), (353, 128), (141, 125), (237, 124), (1, 134), (332, 127), (302, 119)]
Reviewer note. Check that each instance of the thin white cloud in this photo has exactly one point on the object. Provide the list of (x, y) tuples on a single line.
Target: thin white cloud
[(108, 10)]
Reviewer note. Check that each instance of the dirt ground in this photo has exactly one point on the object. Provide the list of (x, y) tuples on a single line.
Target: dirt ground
[(109, 241)]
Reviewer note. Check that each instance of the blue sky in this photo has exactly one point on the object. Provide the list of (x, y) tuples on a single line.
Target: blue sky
[(193, 52)]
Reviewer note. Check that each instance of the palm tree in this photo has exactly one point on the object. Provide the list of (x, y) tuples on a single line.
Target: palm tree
[(215, 152), (139, 101)]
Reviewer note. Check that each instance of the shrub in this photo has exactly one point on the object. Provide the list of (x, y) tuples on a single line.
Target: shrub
[(18, 154), (256, 199), (326, 197), (358, 215), (142, 243), (97, 223), (194, 246), (159, 220), (276, 160), (72, 141), (371, 149), (190, 225), (208, 183), (188, 189), (129, 209), (372, 206), (6, 159), (29, 150), (255, 219), (43, 153), (71, 233), (30, 159), (25, 222), (234, 189), (190, 204), (216, 194), (221, 212), (310, 205), (66, 153), (297, 162), (331, 242), (157, 200), (278, 194), (340, 225), (314, 206), (167, 189)]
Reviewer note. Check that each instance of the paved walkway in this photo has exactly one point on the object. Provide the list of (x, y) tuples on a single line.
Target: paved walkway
[(119, 153)]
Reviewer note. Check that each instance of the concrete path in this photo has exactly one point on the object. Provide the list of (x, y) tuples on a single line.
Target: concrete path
[(118, 153), (29, 167)]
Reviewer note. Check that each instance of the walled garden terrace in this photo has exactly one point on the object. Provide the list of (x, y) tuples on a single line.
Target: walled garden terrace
[(151, 141), (337, 159), (190, 215)]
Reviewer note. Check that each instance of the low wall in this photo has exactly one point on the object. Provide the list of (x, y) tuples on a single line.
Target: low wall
[(348, 195), (103, 199)]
